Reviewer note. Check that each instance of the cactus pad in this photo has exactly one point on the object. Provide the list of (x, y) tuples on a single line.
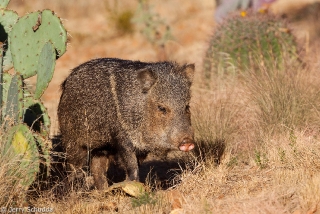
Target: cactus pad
[(240, 43), (47, 61), (6, 79), (14, 104), (4, 3), (21, 144), (28, 37), (36, 116), (7, 19)]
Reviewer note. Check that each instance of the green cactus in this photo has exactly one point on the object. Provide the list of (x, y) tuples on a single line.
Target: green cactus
[(14, 104), (6, 80), (21, 145), (7, 19), (240, 43), (36, 116), (47, 61), (32, 32), (4, 3), (31, 45)]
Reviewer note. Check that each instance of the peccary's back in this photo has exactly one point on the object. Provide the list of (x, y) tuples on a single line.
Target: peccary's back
[(89, 101)]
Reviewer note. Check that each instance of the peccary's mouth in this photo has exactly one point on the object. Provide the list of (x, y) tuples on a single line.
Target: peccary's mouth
[(186, 145)]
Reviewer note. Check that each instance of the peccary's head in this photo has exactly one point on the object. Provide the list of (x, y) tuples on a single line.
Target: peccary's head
[(167, 123)]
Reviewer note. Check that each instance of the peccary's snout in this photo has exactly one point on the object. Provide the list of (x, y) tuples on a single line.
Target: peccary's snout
[(186, 145)]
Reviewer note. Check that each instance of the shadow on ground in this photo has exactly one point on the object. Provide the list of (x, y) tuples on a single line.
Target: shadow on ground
[(159, 174)]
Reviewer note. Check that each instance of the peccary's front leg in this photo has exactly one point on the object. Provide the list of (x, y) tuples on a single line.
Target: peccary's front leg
[(130, 162)]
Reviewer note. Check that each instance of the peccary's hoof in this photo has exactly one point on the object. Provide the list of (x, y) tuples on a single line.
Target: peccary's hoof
[(186, 145)]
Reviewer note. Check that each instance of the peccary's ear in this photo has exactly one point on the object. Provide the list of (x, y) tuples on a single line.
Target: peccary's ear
[(146, 79), (188, 71)]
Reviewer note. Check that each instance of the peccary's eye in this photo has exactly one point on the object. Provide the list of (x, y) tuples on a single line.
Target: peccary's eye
[(162, 109), (187, 109)]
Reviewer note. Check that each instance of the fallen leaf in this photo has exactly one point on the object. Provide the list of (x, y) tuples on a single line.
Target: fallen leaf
[(132, 188)]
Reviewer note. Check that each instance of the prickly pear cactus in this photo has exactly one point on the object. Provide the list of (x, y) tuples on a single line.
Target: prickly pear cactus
[(36, 116), (47, 61), (14, 104), (22, 147), (4, 3), (30, 44), (240, 43), (32, 32), (7, 19)]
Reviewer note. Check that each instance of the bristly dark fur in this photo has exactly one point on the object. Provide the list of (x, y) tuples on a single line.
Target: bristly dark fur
[(122, 108)]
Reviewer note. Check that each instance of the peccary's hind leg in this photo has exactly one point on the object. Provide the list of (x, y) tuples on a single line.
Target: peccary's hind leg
[(130, 162), (75, 160), (99, 167)]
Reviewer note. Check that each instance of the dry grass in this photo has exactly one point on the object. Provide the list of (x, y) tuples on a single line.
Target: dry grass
[(285, 98), (257, 135)]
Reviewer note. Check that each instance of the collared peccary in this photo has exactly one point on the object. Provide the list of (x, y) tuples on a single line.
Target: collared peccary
[(114, 107)]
